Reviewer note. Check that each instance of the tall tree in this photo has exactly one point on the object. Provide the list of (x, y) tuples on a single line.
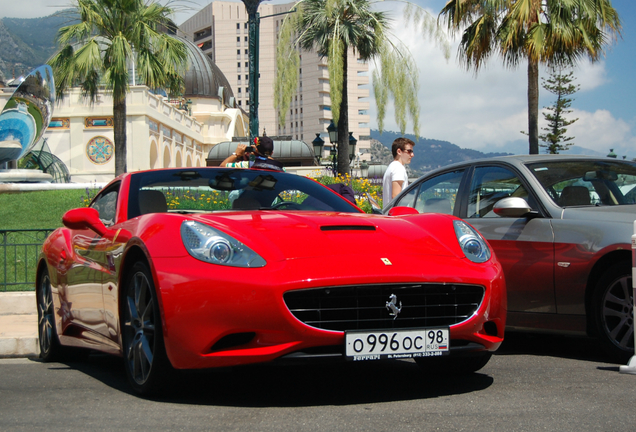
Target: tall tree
[(561, 85), (552, 32), (332, 28), (98, 51)]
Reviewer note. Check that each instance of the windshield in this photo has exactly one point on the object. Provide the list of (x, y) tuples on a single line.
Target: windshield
[(587, 182), (201, 190)]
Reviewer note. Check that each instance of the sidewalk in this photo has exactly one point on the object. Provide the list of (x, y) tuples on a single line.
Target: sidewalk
[(18, 325)]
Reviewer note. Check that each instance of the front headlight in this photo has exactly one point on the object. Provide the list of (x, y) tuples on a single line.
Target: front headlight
[(471, 242), (210, 245)]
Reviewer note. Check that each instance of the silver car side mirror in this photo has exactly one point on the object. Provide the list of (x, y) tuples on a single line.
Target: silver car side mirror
[(513, 207)]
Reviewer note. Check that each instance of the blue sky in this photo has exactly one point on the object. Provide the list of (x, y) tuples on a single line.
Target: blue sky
[(487, 112)]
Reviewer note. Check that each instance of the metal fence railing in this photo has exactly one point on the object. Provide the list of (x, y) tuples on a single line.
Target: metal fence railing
[(19, 250)]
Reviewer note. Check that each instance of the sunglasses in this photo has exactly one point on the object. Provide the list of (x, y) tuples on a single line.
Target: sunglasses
[(409, 151)]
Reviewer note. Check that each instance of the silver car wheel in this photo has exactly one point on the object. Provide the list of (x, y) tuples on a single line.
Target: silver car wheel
[(618, 312)]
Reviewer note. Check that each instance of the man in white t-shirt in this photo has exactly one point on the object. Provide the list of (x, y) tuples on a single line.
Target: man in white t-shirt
[(395, 178)]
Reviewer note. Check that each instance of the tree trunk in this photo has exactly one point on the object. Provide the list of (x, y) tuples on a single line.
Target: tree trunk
[(119, 130), (533, 106), (343, 121)]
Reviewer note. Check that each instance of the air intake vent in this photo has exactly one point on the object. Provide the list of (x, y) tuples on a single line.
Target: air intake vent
[(363, 307), (347, 228)]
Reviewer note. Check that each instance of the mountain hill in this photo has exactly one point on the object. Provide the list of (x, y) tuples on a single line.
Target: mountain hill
[(429, 153), (26, 44)]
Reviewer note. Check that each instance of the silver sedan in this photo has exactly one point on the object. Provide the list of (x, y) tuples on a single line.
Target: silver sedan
[(561, 228)]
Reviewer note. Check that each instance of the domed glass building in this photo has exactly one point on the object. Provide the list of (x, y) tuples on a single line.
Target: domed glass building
[(161, 132)]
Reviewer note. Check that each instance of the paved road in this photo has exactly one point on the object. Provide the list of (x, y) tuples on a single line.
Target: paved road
[(532, 384)]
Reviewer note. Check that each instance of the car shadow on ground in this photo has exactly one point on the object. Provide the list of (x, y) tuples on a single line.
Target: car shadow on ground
[(567, 347), (346, 383), (292, 385), (317, 385)]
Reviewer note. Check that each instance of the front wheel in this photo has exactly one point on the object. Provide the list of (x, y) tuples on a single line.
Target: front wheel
[(147, 365), (449, 365), (613, 311)]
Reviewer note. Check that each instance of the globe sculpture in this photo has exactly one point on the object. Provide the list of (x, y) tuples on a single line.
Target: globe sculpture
[(27, 114)]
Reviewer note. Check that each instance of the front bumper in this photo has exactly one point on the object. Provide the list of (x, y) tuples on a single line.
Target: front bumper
[(217, 316)]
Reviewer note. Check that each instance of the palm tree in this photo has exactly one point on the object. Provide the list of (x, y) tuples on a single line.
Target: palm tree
[(98, 51), (551, 32), (332, 28)]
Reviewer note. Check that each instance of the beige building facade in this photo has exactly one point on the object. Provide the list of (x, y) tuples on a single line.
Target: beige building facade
[(220, 29), (161, 133)]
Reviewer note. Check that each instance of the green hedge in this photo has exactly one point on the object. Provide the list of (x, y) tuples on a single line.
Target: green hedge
[(39, 209)]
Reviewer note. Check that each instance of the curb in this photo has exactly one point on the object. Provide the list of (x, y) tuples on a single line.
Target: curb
[(18, 325)]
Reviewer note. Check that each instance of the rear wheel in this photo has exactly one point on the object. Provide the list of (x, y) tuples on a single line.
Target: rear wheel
[(145, 358), (449, 365), (50, 348), (613, 311)]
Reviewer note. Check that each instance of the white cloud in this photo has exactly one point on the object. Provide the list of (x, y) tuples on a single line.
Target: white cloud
[(600, 131), (590, 76), (480, 112), (487, 112)]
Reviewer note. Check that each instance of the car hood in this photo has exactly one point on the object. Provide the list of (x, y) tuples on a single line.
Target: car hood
[(296, 235), (611, 214)]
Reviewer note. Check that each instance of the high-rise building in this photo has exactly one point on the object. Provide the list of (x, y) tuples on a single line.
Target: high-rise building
[(220, 29)]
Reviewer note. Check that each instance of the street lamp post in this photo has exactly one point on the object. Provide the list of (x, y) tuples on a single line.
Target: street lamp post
[(253, 22), (352, 146), (318, 144), (333, 137), (352, 151)]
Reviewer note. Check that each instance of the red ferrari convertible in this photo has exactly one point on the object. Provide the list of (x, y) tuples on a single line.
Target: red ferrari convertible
[(210, 267)]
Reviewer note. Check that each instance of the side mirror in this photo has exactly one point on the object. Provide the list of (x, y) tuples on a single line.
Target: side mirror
[(402, 211), (513, 207), (88, 218), (84, 218)]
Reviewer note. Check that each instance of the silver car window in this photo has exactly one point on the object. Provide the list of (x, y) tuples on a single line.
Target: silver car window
[(489, 185), (106, 206), (587, 182), (435, 195)]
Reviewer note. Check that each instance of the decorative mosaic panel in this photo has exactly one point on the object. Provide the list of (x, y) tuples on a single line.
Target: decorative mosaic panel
[(98, 122), (60, 123), (100, 150)]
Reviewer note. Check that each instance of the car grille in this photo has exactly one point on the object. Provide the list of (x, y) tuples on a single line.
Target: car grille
[(364, 307)]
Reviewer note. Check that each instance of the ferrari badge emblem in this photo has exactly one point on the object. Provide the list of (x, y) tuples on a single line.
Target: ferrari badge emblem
[(386, 261), (392, 306)]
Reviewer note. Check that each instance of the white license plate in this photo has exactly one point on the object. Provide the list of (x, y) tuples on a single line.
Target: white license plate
[(396, 344)]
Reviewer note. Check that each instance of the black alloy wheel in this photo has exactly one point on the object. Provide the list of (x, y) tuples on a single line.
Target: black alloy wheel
[(146, 362), (50, 349)]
